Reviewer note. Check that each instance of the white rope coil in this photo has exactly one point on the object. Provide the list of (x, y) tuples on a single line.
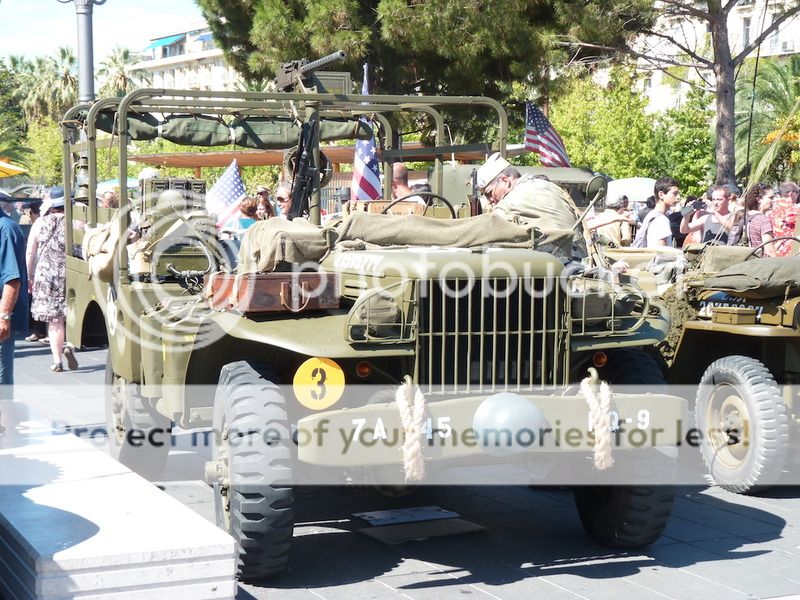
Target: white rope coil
[(413, 409), (600, 420)]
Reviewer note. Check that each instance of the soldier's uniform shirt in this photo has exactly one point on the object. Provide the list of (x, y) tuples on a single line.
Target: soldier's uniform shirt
[(540, 203), (543, 205)]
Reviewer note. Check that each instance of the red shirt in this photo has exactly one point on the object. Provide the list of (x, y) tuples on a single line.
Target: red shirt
[(784, 219)]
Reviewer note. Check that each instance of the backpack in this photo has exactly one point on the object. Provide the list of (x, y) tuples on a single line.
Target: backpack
[(640, 241)]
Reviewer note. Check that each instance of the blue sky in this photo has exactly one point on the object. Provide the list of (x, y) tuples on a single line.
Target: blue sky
[(39, 27)]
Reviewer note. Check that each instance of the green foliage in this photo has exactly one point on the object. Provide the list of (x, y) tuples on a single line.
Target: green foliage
[(773, 104), (48, 85), (11, 147), (44, 164), (10, 111), (118, 73), (606, 129), (685, 143)]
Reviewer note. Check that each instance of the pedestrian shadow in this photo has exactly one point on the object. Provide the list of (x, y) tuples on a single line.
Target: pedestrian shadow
[(30, 349)]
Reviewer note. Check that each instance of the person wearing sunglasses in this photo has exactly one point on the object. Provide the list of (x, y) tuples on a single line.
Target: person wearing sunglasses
[(283, 199), (529, 200)]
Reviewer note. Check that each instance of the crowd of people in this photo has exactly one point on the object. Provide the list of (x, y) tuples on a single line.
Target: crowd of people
[(721, 216), (762, 218)]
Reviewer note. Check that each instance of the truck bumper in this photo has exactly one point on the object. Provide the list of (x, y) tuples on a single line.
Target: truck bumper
[(372, 435)]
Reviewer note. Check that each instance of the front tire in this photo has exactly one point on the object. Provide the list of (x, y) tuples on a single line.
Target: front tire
[(251, 470), (627, 516), (741, 414), (138, 436)]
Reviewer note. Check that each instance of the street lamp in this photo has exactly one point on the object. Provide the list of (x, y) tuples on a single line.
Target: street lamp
[(83, 9)]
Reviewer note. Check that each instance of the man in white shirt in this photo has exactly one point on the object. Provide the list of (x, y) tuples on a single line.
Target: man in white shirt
[(716, 221), (655, 230)]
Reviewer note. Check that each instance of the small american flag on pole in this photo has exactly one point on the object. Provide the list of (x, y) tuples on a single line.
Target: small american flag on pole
[(366, 183), (225, 196), (542, 138)]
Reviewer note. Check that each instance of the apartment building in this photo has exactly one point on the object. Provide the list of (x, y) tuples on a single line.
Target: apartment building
[(187, 59), (746, 21)]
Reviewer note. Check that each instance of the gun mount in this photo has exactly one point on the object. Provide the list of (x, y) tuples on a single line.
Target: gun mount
[(295, 72)]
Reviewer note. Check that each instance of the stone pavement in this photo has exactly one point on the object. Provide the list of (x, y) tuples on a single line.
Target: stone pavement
[(717, 544)]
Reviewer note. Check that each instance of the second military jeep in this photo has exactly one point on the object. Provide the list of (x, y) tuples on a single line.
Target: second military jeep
[(385, 349), (739, 337)]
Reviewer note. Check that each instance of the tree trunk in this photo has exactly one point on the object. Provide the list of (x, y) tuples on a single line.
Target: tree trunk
[(725, 96)]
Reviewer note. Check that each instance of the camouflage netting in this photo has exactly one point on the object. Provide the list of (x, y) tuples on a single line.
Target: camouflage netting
[(675, 301)]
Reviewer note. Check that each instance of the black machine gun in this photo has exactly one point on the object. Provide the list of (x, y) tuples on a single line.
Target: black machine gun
[(294, 71), (305, 170), (475, 195)]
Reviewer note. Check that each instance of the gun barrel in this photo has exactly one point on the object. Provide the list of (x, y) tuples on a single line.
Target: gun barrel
[(325, 60)]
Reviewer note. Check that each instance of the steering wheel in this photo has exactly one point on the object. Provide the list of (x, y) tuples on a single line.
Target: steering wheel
[(431, 195), (758, 251)]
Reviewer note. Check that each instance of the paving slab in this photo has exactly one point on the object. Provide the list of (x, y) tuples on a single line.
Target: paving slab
[(77, 524)]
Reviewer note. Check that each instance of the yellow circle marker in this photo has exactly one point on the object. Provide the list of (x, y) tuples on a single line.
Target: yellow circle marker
[(318, 383)]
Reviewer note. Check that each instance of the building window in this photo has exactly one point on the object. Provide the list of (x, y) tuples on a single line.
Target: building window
[(745, 31)]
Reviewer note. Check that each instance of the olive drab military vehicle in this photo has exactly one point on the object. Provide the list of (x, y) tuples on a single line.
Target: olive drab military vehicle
[(307, 349), (738, 335)]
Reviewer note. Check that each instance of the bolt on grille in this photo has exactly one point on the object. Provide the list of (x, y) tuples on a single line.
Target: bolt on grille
[(492, 334)]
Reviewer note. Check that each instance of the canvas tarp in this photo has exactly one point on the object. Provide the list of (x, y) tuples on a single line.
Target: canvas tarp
[(413, 230), (267, 244), (758, 279)]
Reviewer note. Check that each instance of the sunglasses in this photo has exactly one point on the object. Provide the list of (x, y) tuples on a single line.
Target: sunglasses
[(281, 199), (487, 191)]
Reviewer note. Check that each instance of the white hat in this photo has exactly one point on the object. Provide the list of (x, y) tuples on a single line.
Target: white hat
[(47, 204), (489, 171), (616, 202)]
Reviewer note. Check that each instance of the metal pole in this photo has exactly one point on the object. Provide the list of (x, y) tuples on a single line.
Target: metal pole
[(83, 10)]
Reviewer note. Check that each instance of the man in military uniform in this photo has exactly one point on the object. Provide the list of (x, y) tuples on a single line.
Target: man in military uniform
[(530, 201)]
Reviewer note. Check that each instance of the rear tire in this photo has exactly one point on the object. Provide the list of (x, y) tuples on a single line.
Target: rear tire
[(627, 516), (739, 394), (252, 470), (138, 436)]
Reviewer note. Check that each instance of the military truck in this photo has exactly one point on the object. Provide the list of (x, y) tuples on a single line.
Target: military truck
[(445, 327), (738, 337)]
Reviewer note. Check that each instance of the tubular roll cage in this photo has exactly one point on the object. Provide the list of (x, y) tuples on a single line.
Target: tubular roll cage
[(157, 100)]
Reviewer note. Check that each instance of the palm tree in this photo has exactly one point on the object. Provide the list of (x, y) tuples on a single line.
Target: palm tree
[(48, 85), (64, 82), (118, 74), (252, 85), (773, 99), (28, 92), (11, 149)]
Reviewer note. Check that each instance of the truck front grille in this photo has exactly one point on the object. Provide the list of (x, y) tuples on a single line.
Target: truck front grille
[(487, 335)]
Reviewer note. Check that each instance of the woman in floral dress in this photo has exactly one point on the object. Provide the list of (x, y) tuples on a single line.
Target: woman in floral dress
[(48, 283)]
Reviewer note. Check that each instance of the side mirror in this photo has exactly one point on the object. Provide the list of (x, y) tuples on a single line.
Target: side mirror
[(597, 184)]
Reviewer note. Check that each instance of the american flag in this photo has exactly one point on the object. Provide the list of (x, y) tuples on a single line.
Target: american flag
[(225, 196), (366, 176), (542, 138)]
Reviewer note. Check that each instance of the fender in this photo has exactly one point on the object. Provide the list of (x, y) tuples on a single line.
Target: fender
[(651, 332), (308, 335)]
